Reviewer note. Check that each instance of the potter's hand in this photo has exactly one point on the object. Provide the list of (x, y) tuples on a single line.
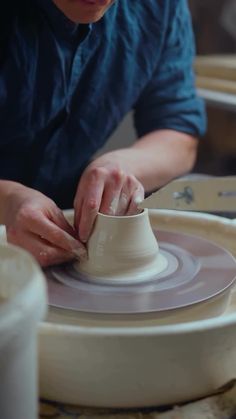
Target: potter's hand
[(35, 223), (106, 186)]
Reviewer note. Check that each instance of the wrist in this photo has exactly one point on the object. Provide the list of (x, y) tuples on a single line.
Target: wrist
[(7, 190)]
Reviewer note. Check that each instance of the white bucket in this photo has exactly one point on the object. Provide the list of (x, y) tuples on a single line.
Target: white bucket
[(22, 306)]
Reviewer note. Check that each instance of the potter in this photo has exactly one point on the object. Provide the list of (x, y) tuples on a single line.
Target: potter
[(84, 65)]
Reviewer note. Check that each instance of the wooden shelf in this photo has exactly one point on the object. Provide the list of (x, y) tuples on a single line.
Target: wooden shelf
[(216, 80), (221, 67)]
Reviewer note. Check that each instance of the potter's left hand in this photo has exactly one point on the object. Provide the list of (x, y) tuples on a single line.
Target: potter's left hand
[(106, 186)]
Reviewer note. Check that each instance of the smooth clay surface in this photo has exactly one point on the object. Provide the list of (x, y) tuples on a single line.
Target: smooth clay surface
[(122, 249)]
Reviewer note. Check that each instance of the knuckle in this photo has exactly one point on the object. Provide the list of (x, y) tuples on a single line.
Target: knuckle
[(117, 175), (92, 205), (56, 212), (33, 215), (97, 172), (23, 215), (27, 214)]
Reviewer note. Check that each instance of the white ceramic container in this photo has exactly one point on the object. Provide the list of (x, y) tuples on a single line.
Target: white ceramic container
[(136, 363), (22, 306)]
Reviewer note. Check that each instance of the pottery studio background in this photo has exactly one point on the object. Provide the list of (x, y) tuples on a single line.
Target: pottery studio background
[(215, 32)]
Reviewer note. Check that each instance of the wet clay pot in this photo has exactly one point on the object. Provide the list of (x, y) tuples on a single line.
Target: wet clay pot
[(122, 249)]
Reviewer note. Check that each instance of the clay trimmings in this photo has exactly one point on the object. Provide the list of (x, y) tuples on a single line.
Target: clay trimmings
[(122, 249)]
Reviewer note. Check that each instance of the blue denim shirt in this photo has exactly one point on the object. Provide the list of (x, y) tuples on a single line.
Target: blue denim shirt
[(64, 87)]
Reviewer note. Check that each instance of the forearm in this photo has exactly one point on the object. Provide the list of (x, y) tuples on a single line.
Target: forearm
[(164, 155), (159, 157)]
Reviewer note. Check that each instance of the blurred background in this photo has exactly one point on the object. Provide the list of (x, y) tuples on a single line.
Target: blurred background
[(214, 23)]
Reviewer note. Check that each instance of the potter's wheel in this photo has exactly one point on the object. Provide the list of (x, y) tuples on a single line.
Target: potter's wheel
[(197, 271), (148, 358), (140, 360)]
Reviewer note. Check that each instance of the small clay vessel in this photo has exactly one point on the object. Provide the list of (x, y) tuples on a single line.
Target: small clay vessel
[(122, 249)]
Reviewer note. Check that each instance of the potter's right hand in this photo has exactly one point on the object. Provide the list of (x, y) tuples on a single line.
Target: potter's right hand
[(35, 223), (108, 186)]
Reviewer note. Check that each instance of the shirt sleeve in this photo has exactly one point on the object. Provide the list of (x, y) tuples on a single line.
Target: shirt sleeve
[(169, 100)]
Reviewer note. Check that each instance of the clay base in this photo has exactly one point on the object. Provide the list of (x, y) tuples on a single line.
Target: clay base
[(134, 276)]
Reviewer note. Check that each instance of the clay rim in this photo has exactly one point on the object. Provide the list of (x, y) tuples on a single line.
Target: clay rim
[(200, 326), (123, 217)]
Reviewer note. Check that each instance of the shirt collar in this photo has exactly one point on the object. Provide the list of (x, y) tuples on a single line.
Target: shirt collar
[(60, 23)]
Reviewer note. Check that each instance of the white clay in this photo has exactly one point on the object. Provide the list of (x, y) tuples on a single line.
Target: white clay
[(122, 249)]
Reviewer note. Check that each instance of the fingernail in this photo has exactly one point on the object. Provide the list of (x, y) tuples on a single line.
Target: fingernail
[(80, 254), (82, 238)]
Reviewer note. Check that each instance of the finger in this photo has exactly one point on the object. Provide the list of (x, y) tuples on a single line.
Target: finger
[(136, 199), (44, 253), (89, 211), (87, 200), (124, 202), (129, 187), (78, 204), (111, 194), (77, 216), (51, 256), (61, 221), (53, 234)]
